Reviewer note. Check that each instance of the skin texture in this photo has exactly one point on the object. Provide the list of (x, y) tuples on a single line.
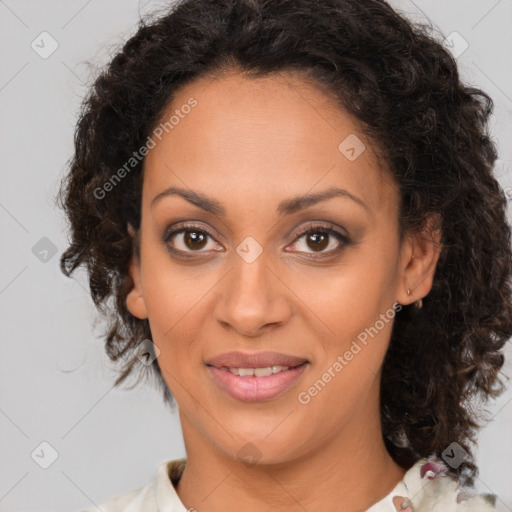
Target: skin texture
[(249, 144)]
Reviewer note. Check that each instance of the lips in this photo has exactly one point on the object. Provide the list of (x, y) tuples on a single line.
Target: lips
[(256, 389), (254, 360)]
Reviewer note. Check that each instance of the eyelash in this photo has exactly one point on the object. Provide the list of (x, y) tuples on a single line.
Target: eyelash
[(313, 228)]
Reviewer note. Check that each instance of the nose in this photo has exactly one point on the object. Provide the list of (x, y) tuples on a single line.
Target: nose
[(253, 298)]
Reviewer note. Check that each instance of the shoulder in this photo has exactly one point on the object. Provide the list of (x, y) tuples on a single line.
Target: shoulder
[(432, 487), (137, 500), (149, 497)]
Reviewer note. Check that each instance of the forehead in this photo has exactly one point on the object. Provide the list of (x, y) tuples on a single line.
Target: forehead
[(263, 138)]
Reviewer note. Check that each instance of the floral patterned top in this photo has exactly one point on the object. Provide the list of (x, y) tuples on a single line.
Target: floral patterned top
[(426, 487)]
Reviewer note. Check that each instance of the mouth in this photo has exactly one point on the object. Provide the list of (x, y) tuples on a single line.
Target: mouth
[(265, 371), (254, 360), (256, 384)]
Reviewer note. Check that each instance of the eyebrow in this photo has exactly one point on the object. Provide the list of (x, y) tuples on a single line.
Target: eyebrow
[(286, 207)]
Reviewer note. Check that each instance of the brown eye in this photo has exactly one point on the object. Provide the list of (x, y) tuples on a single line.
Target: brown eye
[(194, 239), (317, 240), (189, 239)]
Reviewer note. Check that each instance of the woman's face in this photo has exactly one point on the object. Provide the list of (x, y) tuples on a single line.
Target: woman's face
[(269, 167)]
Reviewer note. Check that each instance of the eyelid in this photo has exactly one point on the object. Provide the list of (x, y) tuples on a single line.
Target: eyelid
[(321, 226), (176, 229)]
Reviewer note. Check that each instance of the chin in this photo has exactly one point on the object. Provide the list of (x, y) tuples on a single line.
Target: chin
[(257, 447)]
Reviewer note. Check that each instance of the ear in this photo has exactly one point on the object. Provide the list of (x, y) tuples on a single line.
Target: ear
[(419, 255), (135, 300)]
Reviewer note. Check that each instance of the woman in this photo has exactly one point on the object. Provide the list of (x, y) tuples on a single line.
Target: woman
[(292, 205)]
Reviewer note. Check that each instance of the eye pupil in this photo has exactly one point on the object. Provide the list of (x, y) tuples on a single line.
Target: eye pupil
[(319, 240), (192, 238)]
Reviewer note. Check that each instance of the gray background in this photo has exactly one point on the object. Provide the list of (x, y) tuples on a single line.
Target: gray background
[(56, 384)]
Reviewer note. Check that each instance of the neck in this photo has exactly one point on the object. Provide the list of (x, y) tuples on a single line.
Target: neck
[(352, 471)]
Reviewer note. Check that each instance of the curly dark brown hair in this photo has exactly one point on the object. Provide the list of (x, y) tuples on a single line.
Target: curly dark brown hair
[(396, 78)]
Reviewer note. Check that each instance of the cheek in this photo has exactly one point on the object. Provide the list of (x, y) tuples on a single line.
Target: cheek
[(338, 305), (174, 298), (171, 291), (347, 369), (176, 326), (350, 296), (355, 302)]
